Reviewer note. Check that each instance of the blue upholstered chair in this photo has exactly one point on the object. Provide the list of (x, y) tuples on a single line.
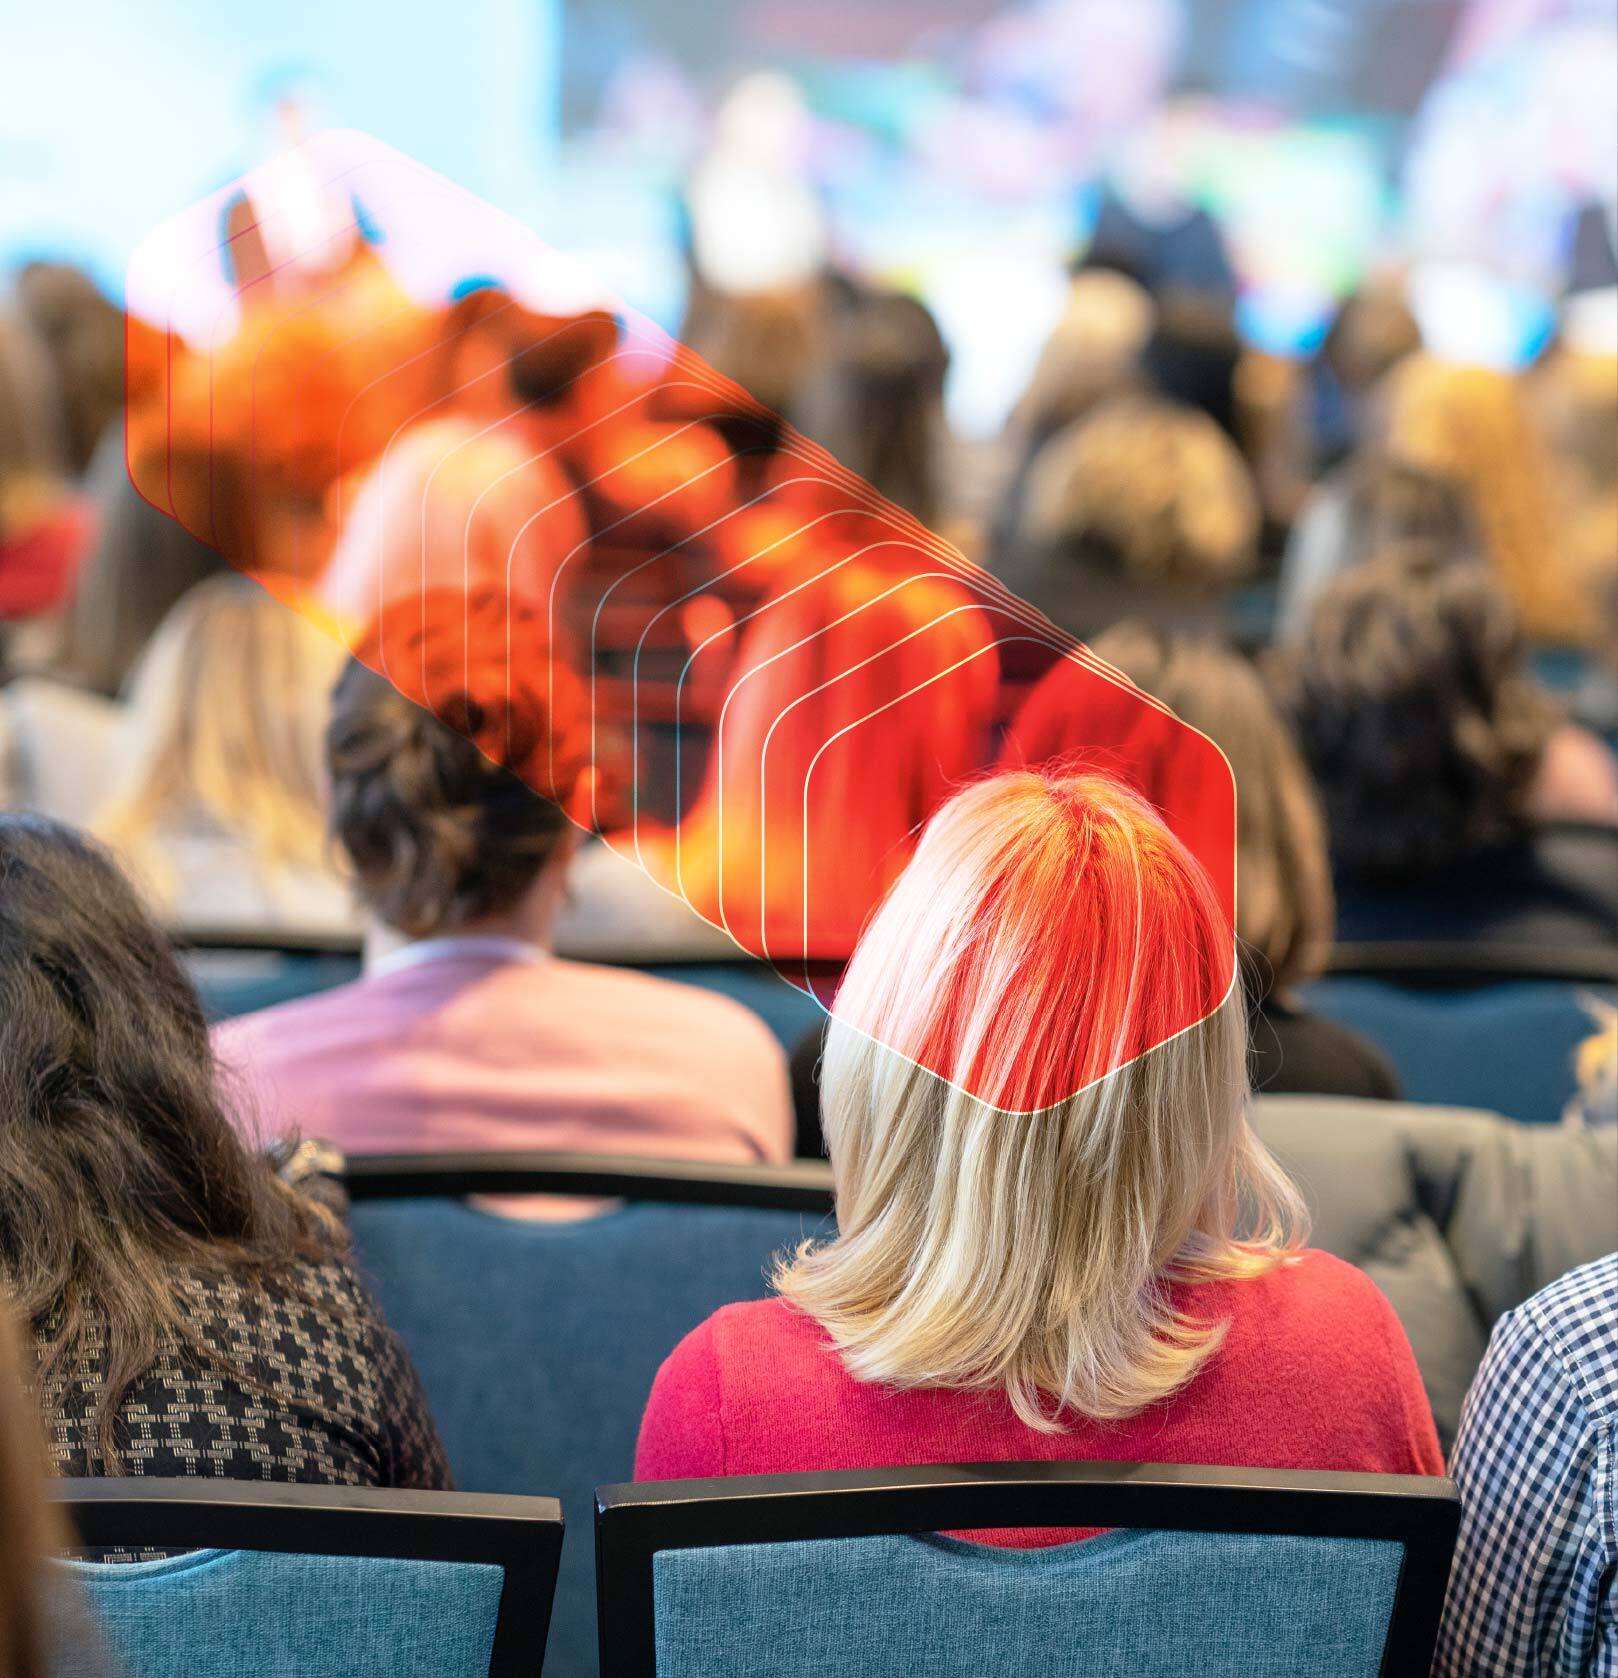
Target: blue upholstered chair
[(1219, 1573), (538, 1342), (787, 1010), (1506, 1046), (284, 1581), (238, 973)]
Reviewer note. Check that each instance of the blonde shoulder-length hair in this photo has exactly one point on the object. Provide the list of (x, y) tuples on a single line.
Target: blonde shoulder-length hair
[(223, 722), (1047, 926)]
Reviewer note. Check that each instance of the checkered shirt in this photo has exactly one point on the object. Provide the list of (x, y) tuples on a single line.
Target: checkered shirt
[(1534, 1589)]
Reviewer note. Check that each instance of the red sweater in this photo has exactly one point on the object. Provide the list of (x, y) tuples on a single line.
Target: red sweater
[(1314, 1372)]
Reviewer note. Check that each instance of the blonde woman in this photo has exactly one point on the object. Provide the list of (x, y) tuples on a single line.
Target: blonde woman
[(1073, 1282), (218, 810)]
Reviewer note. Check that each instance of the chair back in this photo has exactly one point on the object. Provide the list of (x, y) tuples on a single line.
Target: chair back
[(537, 1342), (237, 971), (1220, 1572), (305, 1581), (1507, 1046)]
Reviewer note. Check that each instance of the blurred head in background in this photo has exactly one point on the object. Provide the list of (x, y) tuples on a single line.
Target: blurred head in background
[(1143, 508), (1416, 710), (222, 739), (1471, 427), (43, 528), (139, 563), (426, 800), (451, 505), (83, 331), (1370, 334), (33, 458), (877, 401), (1093, 353)]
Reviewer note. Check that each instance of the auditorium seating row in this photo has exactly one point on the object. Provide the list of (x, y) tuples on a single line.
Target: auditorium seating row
[(1462, 1024), (537, 1344), (840, 1575)]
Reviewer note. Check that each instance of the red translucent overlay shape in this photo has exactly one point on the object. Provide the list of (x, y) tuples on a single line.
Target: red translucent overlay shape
[(442, 442)]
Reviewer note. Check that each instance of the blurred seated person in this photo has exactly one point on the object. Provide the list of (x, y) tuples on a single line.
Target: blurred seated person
[(1016, 1280), (1371, 333), (1093, 353), (1531, 1589), (218, 806), (876, 400), (138, 564), (1459, 802), (465, 1031), (192, 1314), (1142, 509), (44, 525), (450, 503), (82, 331), (1470, 429)]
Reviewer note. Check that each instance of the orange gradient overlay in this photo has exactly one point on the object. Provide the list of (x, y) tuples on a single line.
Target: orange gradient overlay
[(560, 530)]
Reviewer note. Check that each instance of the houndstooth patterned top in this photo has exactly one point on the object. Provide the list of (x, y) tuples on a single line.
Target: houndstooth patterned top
[(301, 1381)]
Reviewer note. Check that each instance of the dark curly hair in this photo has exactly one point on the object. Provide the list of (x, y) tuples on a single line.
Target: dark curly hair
[(120, 1170), (1416, 709), (425, 797)]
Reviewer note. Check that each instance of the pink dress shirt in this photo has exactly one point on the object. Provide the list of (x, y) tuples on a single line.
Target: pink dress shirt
[(488, 1043)]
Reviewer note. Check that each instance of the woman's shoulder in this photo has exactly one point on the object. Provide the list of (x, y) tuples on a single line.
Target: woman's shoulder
[(757, 1339), (1325, 1307)]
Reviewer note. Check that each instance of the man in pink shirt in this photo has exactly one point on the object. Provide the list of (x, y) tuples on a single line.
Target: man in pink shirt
[(465, 1031)]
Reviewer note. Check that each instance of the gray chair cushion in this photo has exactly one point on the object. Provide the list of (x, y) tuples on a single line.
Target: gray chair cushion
[(1457, 1215)]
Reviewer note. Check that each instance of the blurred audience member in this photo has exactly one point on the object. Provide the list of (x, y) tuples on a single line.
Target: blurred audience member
[(1369, 336), (451, 504), (1193, 357), (466, 1032), (1531, 1586), (84, 332), (218, 808), (1459, 803), (167, 1272), (1472, 426), (1093, 354), (139, 564), (43, 526), (1142, 509), (1284, 907), (877, 400), (1574, 391), (1470, 429), (1370, 505), (768, 341), (1014, 1280)]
